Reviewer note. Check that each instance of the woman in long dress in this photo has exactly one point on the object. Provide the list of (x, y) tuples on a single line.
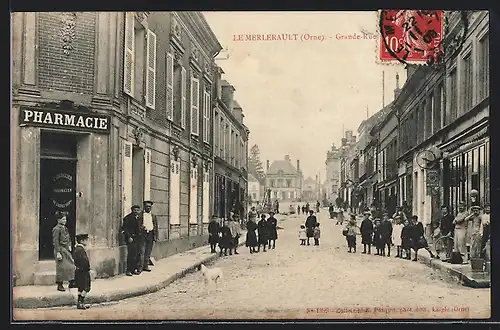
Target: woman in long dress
[(262, 231), (213, 233), (251, 241), (65, 266), (396, 235)]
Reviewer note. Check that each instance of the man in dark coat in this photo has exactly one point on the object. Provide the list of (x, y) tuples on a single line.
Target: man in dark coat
[(225, 239), (251, 241), (386, 234), (366, 233), (149, 229), (262, 229), (272, 224), (131, 229), (82, 272), (417, 238), (330, 210), (311, 222), (213, 233)]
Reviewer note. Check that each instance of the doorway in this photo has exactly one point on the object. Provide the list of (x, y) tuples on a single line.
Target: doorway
[(57, 187)]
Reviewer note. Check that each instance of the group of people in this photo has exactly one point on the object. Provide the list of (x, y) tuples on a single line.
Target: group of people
[(310, 230), (306, 208), (263, 233), (226, 234), (140, 231), (404, 234), (72, 264)]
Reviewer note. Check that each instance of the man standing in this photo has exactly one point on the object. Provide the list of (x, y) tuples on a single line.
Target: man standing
[(234, 227), (131, 230), (149, 236), (311, 222), (446, 228), (366, 232)]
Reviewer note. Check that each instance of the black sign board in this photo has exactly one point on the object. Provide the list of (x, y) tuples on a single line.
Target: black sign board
[(72, 120)]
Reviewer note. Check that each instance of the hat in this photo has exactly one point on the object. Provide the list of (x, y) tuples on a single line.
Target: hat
[(476, 207), (214, 216), (397, 216), (81, 237), (148, 202), (271, 212), (367, 213), (135, 207)]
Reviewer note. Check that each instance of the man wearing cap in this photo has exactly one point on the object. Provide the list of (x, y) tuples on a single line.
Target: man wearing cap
[(460, 232), (131, 230), (82, 271), (234, 227), (149, 230)]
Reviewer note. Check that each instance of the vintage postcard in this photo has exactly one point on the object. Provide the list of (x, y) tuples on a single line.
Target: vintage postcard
[(250, 165)]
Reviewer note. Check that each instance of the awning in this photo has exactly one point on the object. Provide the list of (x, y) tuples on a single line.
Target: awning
[(467, 142)]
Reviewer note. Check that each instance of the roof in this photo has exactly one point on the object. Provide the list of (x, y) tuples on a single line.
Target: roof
[(283, 165), (252, 178), (309, 179), (236, 105)]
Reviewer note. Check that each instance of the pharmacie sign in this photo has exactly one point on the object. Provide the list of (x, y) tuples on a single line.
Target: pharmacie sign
[(78, 121)]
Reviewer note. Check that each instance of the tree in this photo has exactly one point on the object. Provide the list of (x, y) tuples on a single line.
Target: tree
[(254, 163)]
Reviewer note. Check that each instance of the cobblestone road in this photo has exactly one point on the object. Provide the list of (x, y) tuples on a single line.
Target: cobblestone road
[(303, 281)]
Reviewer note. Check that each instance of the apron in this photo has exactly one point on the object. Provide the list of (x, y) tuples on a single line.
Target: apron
[(65, 268)]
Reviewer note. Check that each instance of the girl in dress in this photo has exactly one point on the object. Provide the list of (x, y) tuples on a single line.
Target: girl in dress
[(396, 235), (302, 235)]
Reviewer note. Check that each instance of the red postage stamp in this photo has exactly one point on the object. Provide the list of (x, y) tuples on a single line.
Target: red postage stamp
[(410, 35)]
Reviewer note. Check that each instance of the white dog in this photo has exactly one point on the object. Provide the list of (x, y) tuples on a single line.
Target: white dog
[(212, 276)]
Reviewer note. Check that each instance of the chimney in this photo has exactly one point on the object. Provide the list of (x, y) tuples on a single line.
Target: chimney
[(238, 112), (298, 165), (228, 94), (267, 165), (397, 90), (287, 158)]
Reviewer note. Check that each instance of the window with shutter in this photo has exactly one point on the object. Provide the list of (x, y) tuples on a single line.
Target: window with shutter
[(170, 87), (206, 117), (128, 58), (151, 69), (195, 106), (147, 174), (126, 178), (193, 204), (183, 98), (174, 193), (206, 197)]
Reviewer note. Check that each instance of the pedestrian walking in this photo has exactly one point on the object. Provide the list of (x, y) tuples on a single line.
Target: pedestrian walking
[(377, 237), (460, 231), (131, 229), (262, 230), (340, 217), (234, 226), (330, 210), (251, 241), (272, 225), (298, 209), (65, 266), (406, 240), (366, 232), (386, 234), (310, 225), (82, 271), (397, 229), (317, 206), (316, 234), (418, 240), (213, 233), (225, 238), (149, 235), (351, 231), (302, 235)]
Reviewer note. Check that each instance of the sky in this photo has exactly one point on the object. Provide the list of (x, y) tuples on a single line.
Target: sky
[(299, 95)]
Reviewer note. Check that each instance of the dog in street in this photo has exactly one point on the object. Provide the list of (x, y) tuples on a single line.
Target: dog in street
[(212, 276)]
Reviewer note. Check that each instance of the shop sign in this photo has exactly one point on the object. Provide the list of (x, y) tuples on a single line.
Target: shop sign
[(432, 178), (78, 121)]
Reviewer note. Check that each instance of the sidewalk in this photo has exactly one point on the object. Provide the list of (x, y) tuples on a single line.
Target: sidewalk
[(463, 273), (119, 287)]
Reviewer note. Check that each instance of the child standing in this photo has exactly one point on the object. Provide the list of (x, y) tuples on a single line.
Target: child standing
[(352, 231), (396, 235), (82, 272), (377, 237), (406, 240), (316, 234), (302, 235)]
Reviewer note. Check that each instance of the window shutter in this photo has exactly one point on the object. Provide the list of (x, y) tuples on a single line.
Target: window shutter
[(193, 205), (128, 57), (195, 104), (170, 87), (206, 197), (151, 70), (126, 178), (147, 174), (206, 116), (183, 97), (174, 193)]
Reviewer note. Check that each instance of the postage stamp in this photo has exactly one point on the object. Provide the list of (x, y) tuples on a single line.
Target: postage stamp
[(220, 165), (411, 35)]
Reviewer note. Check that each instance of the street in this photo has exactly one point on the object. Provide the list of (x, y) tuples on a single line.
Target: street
[(296, 281)]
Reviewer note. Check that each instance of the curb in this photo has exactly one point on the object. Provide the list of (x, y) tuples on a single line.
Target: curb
[(461, 277), (70, 299)]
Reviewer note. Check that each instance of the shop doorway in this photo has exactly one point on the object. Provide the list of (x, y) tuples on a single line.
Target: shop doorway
[(57, 188)]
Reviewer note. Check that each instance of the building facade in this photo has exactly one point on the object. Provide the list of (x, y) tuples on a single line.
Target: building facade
[(109, 109), (284, 180), (254, 190), (332, 183), (348, 175), (231, 152), (310, 189)]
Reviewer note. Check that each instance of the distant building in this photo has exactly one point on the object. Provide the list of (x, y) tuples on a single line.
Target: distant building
[(284, 180), (310, 189), (254, 194), (332, 183)]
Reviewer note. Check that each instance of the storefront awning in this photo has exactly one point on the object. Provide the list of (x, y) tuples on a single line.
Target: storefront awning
[(466, 142)]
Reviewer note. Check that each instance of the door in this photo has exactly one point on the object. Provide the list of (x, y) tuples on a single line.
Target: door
[(57, 193)]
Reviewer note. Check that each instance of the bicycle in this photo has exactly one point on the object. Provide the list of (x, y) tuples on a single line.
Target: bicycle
[(444, 247)]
